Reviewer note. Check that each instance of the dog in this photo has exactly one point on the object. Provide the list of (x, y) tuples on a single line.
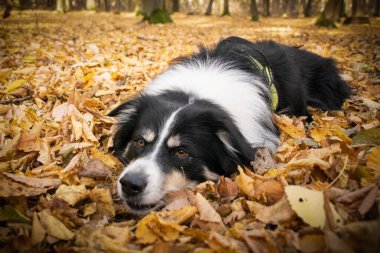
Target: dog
[(208, 113)]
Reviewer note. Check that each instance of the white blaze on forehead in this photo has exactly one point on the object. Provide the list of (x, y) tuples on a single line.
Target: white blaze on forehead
[(174, 141), (149, 166), (148, 135)]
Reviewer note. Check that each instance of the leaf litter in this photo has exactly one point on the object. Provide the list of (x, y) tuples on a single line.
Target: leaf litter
[(319, 192)]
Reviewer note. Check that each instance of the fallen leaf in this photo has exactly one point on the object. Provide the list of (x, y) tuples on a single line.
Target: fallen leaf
[(227, 188), (72, 194), (245, 184), (206, 211), (54, 227), (308, 205), (104, 203), (94, 168)]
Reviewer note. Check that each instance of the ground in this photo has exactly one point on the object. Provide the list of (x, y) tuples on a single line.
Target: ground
[(62, 73)]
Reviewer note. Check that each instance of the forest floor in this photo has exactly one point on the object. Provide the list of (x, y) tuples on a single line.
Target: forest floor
[(60, 74)]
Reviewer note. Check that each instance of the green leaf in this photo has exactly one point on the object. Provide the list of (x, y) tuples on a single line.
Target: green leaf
[(370, 136), (29, 58), (9, 213)]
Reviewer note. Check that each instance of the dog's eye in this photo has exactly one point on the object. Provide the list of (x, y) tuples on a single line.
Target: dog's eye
[(140, 143), (181, 153)]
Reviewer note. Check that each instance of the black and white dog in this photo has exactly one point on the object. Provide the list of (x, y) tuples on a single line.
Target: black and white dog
[(209, 112)]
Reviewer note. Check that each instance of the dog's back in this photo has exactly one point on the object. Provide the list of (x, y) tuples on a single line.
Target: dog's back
[(300, 77)]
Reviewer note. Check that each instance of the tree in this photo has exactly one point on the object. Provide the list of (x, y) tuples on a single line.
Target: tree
[(90, 5), (329, 15), (226, 8), (291, 9), (154, 11), (209, 8), (359, 13), (376, 12), (276, 8), (266, 7), (254, 11), (175, 7), (308, 8)]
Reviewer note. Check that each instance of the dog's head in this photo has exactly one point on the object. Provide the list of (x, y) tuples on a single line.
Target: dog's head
[(172, 141)]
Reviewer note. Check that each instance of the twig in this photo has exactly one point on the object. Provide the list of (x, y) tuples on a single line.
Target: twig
[(146, 38), (55, 39), (16, 100), (340, 174)]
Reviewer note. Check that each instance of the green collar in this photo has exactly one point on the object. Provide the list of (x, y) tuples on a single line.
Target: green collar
[(266, 72)]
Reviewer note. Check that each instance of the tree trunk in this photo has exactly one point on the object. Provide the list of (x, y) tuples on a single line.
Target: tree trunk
[(8, 9), (266, 7), (254, 11), (118, 7), (62, 5), (90, 5), (376, 12), (359, 14), (308, 8), (291, 9), (175, 7), (154, 11), (226, 8), (276, 8), (342, 9), (329, 15), (107, 5), (209, 8)]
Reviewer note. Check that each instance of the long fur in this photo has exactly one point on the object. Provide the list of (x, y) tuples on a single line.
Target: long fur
[(209, 112)]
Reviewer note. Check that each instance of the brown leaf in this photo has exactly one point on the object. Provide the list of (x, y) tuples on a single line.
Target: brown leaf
[(94, 168), (12, 188), (206, 211), (368, 201), (281, 212), (35, 182), (223, 244), (227, 188)]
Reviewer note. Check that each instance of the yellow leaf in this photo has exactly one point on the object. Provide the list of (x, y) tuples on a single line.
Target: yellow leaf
[(288, 126), (308, 163), (308, 205), (38, 232), (152, 227), (15, 85), (71, 194), (373, 161), (183, 214), (54, 227), (103, 199), (245, 184)]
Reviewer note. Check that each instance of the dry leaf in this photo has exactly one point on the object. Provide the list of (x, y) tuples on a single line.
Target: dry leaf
[(72, 194), (308, 205), (245, 184), (54, 227), (206, 211)]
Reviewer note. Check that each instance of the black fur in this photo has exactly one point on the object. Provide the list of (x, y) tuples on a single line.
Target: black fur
[(208, 134)]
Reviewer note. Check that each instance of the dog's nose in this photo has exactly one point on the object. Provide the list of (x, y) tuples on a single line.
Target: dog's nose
[(133, 184)]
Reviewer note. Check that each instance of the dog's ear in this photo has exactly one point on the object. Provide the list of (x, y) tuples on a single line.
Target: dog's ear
[(127, 114), (238, 151)]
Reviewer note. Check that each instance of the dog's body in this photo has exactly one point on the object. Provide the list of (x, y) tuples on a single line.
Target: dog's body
[(208, 113)]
